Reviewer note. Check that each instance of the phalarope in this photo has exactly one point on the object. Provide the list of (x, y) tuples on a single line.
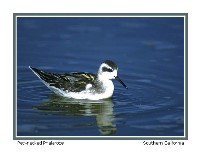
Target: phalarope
[(82, 85)]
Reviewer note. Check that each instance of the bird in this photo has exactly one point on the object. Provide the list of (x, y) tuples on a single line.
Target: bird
[(82, 85)]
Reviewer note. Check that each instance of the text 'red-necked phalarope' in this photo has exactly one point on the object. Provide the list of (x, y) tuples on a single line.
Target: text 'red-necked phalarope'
[(82, 85)]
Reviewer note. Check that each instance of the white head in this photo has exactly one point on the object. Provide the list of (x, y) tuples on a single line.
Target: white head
[(108, 70)]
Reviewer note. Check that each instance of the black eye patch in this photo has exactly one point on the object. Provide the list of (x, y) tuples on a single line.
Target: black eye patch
[(105, 69)]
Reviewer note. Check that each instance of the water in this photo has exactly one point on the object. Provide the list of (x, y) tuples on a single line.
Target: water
[(149, 53)]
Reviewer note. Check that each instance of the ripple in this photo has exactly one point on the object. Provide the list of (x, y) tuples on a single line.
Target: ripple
[(147, 97), (151, 67)]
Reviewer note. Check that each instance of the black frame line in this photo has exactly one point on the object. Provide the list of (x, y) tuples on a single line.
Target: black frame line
[(15, 137)]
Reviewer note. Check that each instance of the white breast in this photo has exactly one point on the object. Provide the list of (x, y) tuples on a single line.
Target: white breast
[(108, 86)]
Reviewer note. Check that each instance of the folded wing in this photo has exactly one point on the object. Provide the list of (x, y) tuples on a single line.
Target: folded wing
[(73, 82)]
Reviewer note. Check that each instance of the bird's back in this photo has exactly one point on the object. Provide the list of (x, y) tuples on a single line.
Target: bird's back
[(69, 82)]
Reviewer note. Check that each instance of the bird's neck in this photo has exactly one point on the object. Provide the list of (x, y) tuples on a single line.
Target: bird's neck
[(107, 85)]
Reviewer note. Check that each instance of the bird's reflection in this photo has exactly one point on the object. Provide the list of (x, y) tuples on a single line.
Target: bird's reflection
[(102, 109)]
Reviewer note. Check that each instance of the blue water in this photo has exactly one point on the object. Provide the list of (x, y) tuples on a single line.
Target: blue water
[(149, 52)]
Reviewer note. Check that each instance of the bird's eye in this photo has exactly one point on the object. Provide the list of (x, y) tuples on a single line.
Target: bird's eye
[(105, 69)]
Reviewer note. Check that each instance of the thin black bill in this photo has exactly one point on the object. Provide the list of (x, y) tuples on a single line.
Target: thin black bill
[(118, 79)]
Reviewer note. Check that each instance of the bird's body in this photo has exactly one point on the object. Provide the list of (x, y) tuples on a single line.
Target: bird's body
[(82, 85)]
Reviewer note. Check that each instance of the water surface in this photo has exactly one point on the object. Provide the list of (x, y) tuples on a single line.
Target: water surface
[(149, 53)]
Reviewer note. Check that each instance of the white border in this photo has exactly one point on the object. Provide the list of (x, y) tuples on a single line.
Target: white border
[(104, 137)]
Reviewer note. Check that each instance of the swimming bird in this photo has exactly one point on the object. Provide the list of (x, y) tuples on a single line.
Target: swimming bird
[(82, 85)]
